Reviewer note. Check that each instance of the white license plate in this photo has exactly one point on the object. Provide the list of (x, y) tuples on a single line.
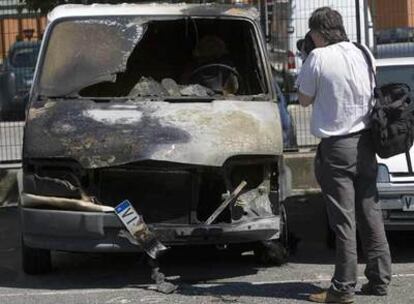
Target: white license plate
[(408, 203), (128, 216), (136, 226)]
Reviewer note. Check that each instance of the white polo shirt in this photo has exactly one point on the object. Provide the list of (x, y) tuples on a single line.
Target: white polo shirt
[(338, 77)]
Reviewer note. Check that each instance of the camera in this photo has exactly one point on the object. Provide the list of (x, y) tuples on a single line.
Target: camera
[(305, 45)]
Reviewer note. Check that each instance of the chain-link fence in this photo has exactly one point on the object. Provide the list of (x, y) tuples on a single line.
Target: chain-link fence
[(20, 34), (359, 27), (387, 27), (394, 28)]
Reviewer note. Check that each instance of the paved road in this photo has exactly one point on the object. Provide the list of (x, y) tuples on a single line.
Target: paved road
[(204, 276)]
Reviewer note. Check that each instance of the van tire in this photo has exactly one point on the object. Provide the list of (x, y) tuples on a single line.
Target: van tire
[(3, 115), (36, 261), (271, 253), (275, 252)]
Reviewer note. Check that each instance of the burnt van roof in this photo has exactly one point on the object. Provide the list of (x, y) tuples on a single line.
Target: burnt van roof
[(152, 9)]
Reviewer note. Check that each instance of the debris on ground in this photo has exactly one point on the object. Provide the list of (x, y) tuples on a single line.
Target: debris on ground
[(140, 234), (162, 285)]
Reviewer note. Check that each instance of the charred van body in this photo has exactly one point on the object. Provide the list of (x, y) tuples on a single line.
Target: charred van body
[(124, 107)]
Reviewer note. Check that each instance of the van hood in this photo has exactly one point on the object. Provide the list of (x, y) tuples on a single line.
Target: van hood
[(103, 134)]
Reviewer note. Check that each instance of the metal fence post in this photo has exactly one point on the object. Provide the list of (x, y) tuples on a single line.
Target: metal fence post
[(367, 23), (358, 20)]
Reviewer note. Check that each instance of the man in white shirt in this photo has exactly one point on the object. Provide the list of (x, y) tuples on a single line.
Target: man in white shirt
[(336, 81)]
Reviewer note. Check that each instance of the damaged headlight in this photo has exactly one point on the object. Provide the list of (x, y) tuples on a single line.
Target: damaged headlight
[(52, 178), (253, 174), (255, 171), (259, 197)]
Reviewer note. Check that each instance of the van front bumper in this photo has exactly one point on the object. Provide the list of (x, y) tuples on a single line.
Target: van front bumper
[(99, 232)]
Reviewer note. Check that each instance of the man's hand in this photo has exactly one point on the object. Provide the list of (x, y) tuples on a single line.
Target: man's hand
[(305, 100)]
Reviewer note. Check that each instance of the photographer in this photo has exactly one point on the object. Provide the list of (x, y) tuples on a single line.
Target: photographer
[(335, 79)]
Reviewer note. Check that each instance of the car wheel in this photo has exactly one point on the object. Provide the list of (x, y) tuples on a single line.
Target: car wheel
[(271, 253), (275, 252), (35, 260), (330, 238), (5, 116)]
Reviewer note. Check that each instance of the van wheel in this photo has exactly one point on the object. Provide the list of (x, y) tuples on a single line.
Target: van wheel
[(36, 261), (3, 115), (275, 252), (271, 253), (330, 238)]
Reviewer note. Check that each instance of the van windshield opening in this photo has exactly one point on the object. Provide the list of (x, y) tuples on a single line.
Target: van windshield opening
[(139, 57)]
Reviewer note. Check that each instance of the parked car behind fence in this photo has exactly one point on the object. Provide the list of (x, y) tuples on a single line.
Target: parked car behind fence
[(16, 78), (393, 35), (394, 50)]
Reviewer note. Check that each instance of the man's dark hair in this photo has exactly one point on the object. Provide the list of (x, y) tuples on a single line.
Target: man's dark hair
[(329, 24)]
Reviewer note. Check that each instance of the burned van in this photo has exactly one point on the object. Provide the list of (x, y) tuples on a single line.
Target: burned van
[(168, 106)]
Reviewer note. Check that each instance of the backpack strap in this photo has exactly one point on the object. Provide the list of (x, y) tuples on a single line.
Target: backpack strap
[(377, 92), (410, 107), (368, 59)]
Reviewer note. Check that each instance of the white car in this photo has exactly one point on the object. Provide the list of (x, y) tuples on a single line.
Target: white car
[(395, 179)]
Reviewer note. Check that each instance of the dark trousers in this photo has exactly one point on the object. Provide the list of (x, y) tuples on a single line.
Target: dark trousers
[(346, 170)]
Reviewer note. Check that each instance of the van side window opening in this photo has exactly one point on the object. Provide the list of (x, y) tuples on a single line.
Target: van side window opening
[(259, 71), (160, 58)]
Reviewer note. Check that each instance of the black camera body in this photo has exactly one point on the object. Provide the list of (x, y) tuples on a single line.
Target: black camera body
[(305, 44)]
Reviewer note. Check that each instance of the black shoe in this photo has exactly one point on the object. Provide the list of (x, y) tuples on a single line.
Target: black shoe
[(372, 290)]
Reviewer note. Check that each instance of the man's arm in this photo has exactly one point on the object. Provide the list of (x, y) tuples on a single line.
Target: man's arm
[(307, 81), (305, 100)]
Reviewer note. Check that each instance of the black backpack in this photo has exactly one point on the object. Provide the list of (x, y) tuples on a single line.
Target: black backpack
[(392, 118)]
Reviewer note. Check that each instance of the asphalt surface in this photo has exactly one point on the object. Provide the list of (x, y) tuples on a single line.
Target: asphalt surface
[(203, 275)]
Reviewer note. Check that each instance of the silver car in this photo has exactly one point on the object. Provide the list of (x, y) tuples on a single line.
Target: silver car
[(395, 180)]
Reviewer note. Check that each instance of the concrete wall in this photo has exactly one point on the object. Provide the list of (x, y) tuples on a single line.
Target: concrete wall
[(302, 169)]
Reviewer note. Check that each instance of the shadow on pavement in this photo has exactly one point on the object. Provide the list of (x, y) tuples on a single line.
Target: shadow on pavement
[(116, 270), (401, 246), (293, 291), (309, 224), (192, 265)]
